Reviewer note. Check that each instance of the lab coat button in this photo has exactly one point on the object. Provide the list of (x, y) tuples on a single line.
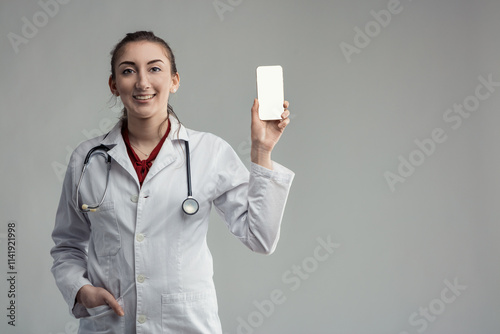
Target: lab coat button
[(140, 237), (134, 198), (141, 278), (141, 319)]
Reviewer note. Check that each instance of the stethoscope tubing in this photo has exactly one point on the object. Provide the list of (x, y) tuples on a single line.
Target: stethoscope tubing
[(188, 169), (190, 206), (90, 154)]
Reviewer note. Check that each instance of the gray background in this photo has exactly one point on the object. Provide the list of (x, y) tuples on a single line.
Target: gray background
[(352, 120)]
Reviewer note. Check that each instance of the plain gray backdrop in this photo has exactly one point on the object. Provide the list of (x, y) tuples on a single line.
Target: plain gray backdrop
[(393, 141)]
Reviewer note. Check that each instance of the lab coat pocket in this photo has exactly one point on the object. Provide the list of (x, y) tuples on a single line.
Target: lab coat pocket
[(102, 320), (192, 312), (105, 230), (99, 310)]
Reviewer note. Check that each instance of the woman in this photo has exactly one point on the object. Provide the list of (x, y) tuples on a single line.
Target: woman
[(139, 263)]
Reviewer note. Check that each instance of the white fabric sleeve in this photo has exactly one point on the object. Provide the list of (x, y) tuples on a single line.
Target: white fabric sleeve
[(252, 204)]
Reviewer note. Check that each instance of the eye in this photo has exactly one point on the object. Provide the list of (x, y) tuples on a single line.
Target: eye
[(155, 69), (127, 71)]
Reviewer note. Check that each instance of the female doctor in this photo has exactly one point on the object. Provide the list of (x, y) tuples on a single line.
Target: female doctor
[(127, 258)]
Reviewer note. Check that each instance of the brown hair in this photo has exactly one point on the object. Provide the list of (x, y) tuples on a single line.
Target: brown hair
[(139, 36)]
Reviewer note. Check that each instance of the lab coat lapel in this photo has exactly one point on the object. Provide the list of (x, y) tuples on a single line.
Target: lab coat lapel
[(118, 150)]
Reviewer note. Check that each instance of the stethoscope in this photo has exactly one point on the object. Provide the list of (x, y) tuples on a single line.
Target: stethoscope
[(190, 205)]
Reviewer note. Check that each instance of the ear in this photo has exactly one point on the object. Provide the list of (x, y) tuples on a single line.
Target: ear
[(112, 86), (176, 80)]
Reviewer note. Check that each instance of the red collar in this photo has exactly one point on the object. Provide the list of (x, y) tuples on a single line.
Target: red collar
[(142, 166)]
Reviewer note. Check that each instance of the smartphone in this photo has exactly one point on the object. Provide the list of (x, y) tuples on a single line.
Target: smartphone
[(270, 92)]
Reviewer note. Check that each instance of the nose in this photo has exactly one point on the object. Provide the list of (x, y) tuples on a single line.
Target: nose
[(142, 82)]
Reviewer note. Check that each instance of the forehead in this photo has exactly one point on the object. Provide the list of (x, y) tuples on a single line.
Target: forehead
[(143, 51)]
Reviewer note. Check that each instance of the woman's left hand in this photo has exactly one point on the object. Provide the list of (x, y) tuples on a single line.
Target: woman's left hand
[(265, 134)]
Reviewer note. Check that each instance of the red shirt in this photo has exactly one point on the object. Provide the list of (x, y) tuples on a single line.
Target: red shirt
[(142, 166)]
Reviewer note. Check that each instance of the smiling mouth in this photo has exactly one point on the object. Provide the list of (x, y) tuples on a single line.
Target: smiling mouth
[(144, 97)]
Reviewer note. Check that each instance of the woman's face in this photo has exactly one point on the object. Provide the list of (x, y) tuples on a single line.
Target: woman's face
[(143, 80)]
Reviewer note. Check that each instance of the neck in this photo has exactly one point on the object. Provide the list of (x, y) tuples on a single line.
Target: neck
[(146, 132)]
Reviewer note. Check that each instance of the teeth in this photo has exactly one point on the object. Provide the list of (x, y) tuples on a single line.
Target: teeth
[(144, 97)]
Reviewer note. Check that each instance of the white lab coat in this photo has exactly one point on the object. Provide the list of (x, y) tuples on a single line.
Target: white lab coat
[(142, 248)]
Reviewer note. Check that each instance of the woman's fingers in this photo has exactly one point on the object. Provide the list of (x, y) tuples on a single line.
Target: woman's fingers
[(111, 301), (90, 297), (283, 123), (255, 111), (285, 120), (285, 114)]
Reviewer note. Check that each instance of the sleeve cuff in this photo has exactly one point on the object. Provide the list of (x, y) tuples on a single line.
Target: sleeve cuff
[(279, 173), (76, 309)]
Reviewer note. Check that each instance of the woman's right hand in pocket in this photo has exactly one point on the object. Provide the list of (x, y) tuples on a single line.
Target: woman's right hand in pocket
[(91, 296)]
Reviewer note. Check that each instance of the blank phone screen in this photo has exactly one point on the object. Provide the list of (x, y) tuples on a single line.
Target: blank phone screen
[(270, 92)]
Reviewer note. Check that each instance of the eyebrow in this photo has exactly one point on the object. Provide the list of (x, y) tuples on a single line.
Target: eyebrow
[(133, 64)]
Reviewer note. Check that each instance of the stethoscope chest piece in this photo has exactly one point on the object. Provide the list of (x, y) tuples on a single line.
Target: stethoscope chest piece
[(190, 206)]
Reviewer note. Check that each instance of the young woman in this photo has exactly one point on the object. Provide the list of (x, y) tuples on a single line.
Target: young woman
[(127, 257)]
